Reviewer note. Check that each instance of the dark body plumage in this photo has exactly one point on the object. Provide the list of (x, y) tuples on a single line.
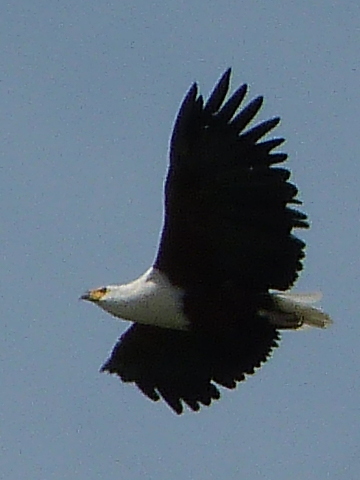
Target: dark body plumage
[(227, 239)]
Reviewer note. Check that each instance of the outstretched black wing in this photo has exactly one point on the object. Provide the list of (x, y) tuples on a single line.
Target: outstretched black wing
[(183, 366), (227, 239), (227, 215)]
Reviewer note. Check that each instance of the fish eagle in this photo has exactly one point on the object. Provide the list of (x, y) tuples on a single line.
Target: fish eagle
[(209, 311)]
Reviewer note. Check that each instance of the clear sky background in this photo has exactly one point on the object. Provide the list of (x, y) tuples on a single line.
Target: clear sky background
[(88, 93)]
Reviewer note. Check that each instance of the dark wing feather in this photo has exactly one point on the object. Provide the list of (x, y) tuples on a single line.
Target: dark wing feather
[(181, 367), (227, 215), (227, 240)]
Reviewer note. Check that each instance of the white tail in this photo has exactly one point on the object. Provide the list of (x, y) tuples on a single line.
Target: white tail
[(294, 311)]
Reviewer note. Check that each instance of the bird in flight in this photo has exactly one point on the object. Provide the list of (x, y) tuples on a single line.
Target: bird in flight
[(210, 309)]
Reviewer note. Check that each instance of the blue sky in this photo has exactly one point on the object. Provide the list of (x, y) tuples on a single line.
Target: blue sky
[(89, 92)]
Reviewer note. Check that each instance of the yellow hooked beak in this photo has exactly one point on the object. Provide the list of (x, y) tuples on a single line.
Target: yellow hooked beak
[(94, 295)]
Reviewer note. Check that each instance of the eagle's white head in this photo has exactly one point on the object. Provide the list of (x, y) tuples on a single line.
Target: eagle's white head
[(150, 299)]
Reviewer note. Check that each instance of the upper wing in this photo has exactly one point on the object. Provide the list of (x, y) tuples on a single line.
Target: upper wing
[(182, 366), (227, 212)]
